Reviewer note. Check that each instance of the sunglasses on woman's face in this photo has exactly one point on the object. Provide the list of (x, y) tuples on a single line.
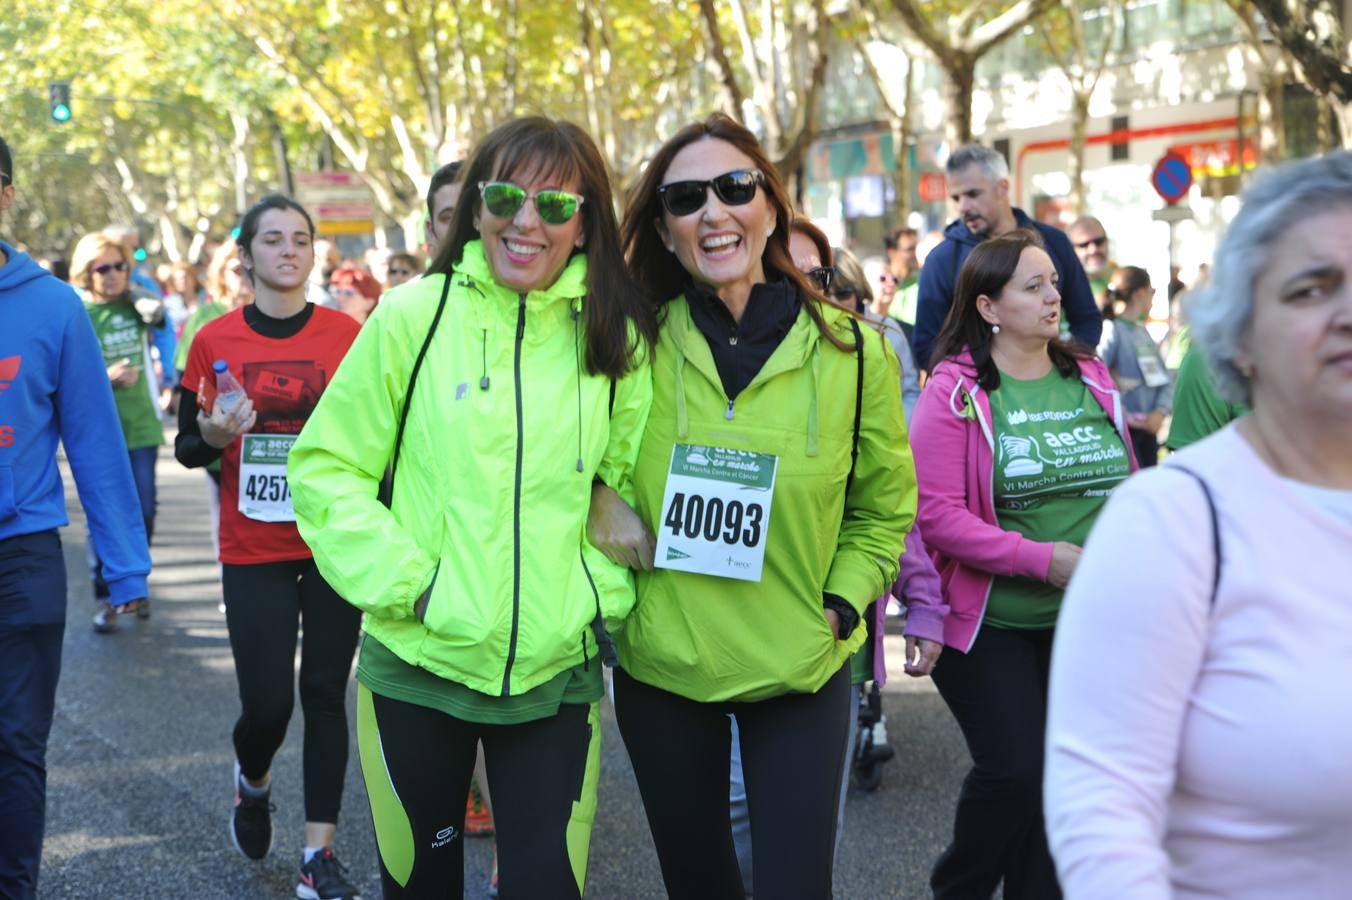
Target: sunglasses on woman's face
[(822, 276), (842, 293), (503, 199), (737, 188), (397, 273), (109, 267)]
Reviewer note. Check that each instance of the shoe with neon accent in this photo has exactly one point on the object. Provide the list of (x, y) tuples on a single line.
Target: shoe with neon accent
[(251, 820), (105, 621), (478, 820), (325, 878)]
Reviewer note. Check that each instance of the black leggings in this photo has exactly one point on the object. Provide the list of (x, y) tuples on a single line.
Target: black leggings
[(793, 756), (998, 694), (264, 605), (543, 776)]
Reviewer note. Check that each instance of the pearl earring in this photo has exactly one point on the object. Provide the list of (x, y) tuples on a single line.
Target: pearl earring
[(995, 329)]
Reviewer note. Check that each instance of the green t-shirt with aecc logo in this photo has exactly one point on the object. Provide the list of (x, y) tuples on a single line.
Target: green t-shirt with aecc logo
[(122, 335), (1057, 457)]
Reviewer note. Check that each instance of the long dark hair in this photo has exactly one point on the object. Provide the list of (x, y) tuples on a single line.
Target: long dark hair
[(1131, 279), (989, 267), (660, 274), (248, 226), (563, 151)]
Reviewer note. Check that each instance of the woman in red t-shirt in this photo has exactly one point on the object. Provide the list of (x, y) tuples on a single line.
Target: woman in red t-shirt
[(283, 351)]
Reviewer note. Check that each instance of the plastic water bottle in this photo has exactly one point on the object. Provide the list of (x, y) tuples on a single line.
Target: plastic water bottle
[(228, 391)]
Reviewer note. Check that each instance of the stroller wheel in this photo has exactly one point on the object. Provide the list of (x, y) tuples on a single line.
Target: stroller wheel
[(868, 776)]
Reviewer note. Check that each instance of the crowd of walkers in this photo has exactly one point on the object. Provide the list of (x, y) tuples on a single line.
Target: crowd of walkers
[(696, 456)]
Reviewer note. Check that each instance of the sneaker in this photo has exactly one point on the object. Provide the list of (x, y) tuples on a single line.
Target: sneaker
[(493, 879), (143, 611), (325, 878), (478, 820), (105, 621), (251, 821)]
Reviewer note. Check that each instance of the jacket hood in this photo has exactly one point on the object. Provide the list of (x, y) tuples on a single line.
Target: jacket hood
[(19, 269), (959, 232), (571, 283)]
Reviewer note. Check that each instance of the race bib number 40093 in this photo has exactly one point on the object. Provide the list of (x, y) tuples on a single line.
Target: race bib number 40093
[(716, 512), (264, 495)]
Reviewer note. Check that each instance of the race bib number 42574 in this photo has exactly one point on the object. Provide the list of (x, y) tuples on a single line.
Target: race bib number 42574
[(264, 495), (716, 512)]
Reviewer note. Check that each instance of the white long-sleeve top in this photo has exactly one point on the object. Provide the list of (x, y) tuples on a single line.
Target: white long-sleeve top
[(1195, 751)]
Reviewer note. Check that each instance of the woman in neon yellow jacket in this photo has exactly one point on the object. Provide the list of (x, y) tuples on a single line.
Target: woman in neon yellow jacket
[(497, 390), (775, 476)]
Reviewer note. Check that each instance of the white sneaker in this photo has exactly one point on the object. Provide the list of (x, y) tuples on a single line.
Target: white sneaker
[(105, 621)]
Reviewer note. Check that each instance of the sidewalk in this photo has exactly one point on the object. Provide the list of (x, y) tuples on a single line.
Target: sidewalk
[(139, 763)]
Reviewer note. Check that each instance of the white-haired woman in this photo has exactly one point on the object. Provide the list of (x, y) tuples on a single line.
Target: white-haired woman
[(1200, 725)]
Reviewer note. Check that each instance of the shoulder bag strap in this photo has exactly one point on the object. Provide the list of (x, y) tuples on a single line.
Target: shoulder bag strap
[(858, 398), (1215, 526), (386, 494)]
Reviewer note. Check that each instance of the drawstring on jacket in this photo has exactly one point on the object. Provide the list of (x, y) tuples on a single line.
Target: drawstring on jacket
[(813, 424), (577, 356), (682, 418), (483, 379)]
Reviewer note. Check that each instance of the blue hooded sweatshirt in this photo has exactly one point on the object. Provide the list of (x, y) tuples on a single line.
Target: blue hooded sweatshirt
[(53, 386), (939, 281)]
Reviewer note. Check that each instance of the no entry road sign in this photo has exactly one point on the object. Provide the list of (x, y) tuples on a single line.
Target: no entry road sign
[(1172, 177)]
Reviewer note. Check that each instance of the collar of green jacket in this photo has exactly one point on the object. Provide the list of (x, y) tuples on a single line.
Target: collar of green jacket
[(571, 283), (800, 347)]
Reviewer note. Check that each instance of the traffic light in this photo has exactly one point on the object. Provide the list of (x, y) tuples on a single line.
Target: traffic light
[(58, 101)]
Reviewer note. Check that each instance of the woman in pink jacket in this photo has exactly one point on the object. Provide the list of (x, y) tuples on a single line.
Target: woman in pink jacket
[(1018, 439)]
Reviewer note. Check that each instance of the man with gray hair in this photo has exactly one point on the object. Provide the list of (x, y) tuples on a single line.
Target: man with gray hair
[(978, 182), (1090, 240)]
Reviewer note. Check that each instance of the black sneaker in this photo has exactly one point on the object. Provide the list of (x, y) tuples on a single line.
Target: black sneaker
[(251, 821), (325, 878)]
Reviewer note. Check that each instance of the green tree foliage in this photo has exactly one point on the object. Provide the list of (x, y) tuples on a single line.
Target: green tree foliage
[(162, 126), (957, 33)]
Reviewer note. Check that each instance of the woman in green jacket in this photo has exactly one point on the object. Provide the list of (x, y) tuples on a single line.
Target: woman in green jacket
[(775, 476), (496, 390)]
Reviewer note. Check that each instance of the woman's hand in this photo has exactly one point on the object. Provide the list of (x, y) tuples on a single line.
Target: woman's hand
[(220, 427), (832, 619), (123, 374), (921, 655), (617, 531), (1065, 557)]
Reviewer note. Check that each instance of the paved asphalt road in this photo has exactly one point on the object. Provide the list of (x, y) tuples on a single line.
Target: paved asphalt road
[(140, 760)]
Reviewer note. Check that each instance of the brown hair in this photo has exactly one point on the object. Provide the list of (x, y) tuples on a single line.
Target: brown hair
[(809, 230), (90, 248), (660, 274), (221, 260), (1131, 279), (988, 269), (615, 319)]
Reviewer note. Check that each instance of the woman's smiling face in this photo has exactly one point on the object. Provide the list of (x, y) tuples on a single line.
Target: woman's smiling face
[(719, 245)]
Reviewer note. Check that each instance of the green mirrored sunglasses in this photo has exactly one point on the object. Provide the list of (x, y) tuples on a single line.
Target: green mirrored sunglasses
[(503, 199)]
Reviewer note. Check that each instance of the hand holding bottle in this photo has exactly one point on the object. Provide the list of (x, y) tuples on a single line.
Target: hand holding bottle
[(228, 418)]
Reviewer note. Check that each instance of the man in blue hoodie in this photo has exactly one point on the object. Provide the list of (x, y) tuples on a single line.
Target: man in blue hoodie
[(52, 387), (978, 182)]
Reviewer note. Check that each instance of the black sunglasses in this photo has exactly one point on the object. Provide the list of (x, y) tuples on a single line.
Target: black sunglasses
[(400, 272), (109, 267), (1092, 242), (736, 188), (822, 276)]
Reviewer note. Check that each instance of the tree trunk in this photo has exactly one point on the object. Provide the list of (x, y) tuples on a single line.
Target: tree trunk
[(1079, 124), (959, 85), (1271, 119), (902, 127)]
